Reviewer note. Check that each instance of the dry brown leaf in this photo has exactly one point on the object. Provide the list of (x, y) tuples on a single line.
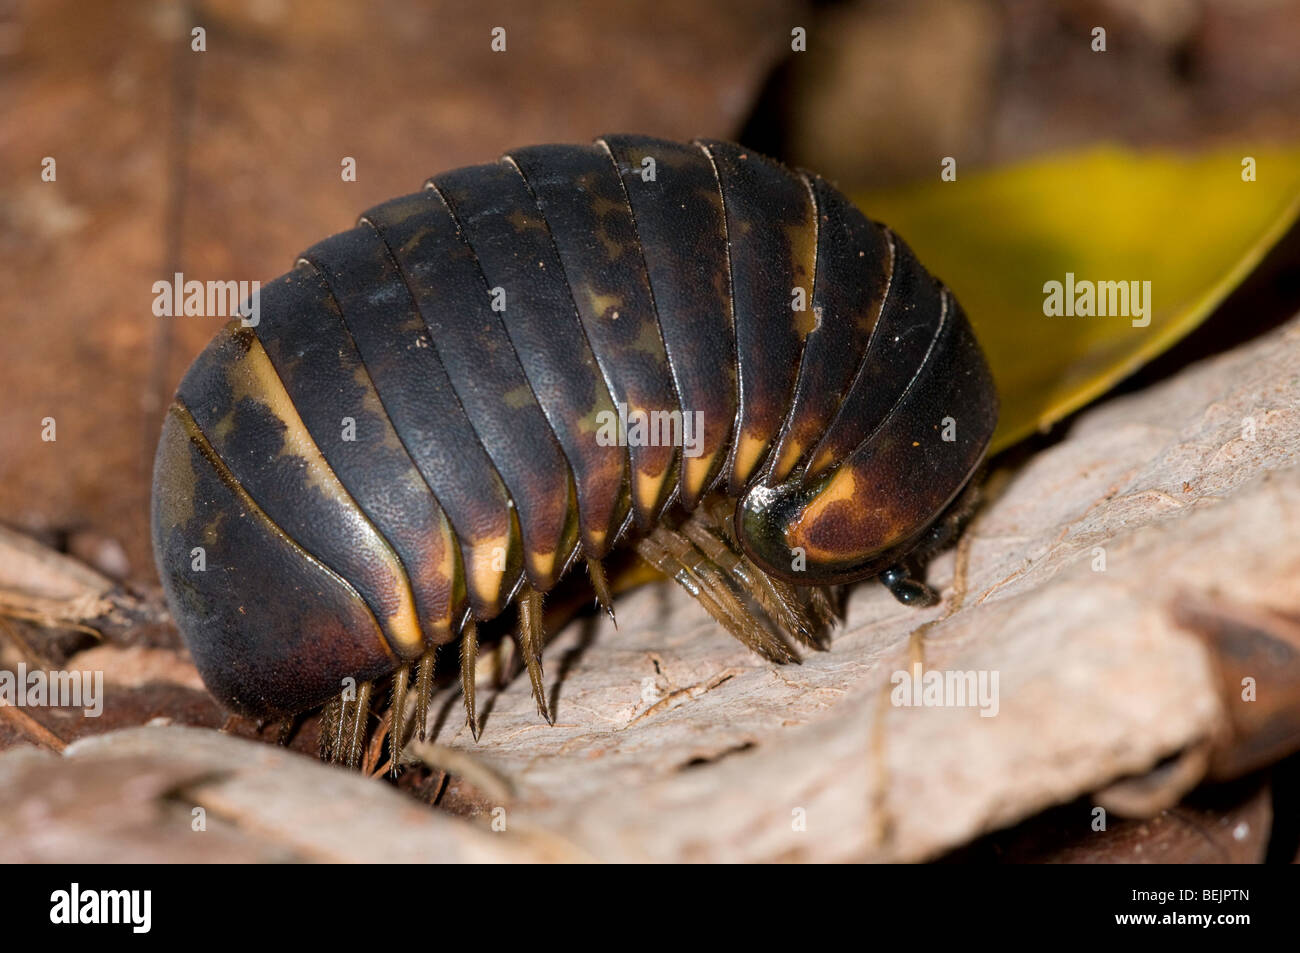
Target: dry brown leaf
[(131, 796)]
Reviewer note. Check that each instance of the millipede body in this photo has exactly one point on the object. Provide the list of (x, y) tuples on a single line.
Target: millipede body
[(687, 349)]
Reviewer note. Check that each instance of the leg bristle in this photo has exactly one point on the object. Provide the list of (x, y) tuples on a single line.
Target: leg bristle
[(598, 582), (329, 725), (530, 645), (821, 599), (468, 660), (285, 731), (342, 736), (359, 721), (424, 689), (397, 726)]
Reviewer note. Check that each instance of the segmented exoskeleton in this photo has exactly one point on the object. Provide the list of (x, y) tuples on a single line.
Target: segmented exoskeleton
[(687, 349)]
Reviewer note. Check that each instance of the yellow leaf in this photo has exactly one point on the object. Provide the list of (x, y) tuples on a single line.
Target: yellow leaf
[(1190, 225)]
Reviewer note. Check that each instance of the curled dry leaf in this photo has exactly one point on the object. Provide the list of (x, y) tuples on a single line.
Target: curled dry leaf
[(132, 795), (53, 590)]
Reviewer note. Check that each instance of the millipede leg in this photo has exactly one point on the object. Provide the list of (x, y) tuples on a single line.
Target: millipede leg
[(396, 730), (821, 601), (357, 728), (598, 582), (530, 644), (814, 611), (342, 729), (676, 556), (468, 659), (330, 717), (775, 598), (285, 731), (424, 689), (910, 592)]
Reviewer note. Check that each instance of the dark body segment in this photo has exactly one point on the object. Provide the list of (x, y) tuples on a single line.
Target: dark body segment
[(860, 510), (419, 401), (854, 261), (582, 199), (772, 233), (499, 219), (909, 321), (240, 404), (271, 630), (683, 237), (474, 348), (323, 374)]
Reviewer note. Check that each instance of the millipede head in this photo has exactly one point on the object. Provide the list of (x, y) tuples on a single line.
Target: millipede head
[(868, 510)]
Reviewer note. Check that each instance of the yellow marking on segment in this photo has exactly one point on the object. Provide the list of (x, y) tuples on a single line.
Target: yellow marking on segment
[(821, 461), (805, 322), (543, 563), (649, 489), (447, 572), (601, 206), (748, 452), (521, 221), (588, 424), (602, 305), (371, 402), (803, 245), (517, 397), (613, 247), (253, 376), (695, 474), (177, 483), (221, 431), (789, 457), (414, 242), (802, 239), (712, 196), (648, 340), (841, 488), (488, 580)]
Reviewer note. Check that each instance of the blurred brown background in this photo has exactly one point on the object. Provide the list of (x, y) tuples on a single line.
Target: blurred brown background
[(224, 164)]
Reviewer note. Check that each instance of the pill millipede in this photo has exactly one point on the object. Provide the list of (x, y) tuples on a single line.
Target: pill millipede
[(688, 351)]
